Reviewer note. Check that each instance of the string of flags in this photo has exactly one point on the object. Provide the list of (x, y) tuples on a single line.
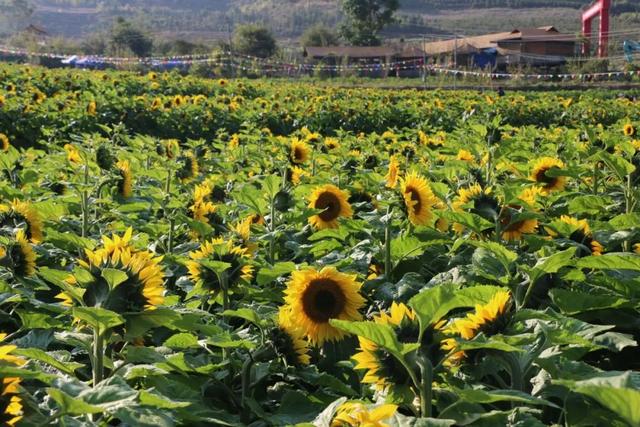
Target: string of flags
[(264, 65)]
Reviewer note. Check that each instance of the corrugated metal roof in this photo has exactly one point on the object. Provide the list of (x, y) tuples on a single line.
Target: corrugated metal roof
[(475, 44)]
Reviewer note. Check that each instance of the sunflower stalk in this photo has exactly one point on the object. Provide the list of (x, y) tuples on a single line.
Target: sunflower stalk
[(262, 354), (272, 228), (426, 385), (387, 244), (84, 199), (98, 357)]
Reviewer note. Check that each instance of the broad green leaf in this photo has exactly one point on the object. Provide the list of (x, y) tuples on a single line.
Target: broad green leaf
[(71, 405), (492, 396), (617, 164), (433, 304), (42, 356), (246, 314), (181, 341), (114, 277), (98, 318), (551, 264), (573, 302), (267, 275), (468, 219), (487, 343), (611, 262), (621, 222), (381, 335), (589, 204), (158, 401)]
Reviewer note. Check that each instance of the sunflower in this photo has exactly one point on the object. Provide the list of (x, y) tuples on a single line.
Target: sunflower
[(178, 101), (628, 129), (334, 204), (22, 215), (579, 232), (91, 108), (314, 297), (221, 251), (465, 156), (170, 148), (10, 402), (300, 151), (73, 155), (125, 181), (4, 140), (156, 104), (189, 167), (290, 344), (356, 414), (513, 230), (484, 203), (139, 288), (19, 256), (488, 319), (223, 82), (383, 369), (234, 141), (243, 230), (331, 143), (418, 198), (296, 174), (549, 183), (392, 173)]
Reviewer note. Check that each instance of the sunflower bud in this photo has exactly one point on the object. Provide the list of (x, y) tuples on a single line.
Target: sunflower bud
[(104, 159), (283, 201)]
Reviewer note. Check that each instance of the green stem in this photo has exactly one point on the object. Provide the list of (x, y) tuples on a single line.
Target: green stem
[(272, 227), (167, 184), (98, 357), (172, 226), (426, 386), (387, 245), (596, 178), (84, 200)]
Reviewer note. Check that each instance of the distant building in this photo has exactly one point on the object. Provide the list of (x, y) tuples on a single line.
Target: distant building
[(368, 61), (543, 46)]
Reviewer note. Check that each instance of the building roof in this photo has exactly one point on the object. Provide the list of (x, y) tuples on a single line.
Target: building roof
[(544, 34), (463, 45), (468, 45)]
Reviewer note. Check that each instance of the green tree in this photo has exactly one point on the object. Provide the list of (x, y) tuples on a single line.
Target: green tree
[(125, 36), (364, 19), (319, 35), (254, 40)]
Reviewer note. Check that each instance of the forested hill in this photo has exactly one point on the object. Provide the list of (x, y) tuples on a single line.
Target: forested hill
[(214, 19)]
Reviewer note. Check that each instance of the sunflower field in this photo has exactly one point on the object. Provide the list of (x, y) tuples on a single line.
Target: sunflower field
[(184, 251)]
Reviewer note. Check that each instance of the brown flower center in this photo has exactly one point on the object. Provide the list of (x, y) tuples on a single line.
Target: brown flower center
[(298, 154), (415, 196), (323, 300), (541, 176), (330, 204)]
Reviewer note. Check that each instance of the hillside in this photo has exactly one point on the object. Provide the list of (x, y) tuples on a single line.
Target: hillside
[(208, 20)]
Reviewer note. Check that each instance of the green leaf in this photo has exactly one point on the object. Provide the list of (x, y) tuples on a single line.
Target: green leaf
[(267, 275), (551, 264), (42, 356), (492, 396), (182, 341), (612, 392), (381, 335), (573, 302), (246, 314), (71, 405), (158, 401), (611, 262), (468, 219), (114, 277), (433, 304), (589, 204), (99, 318), (617, 164), (487, 343), (620, 222)]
